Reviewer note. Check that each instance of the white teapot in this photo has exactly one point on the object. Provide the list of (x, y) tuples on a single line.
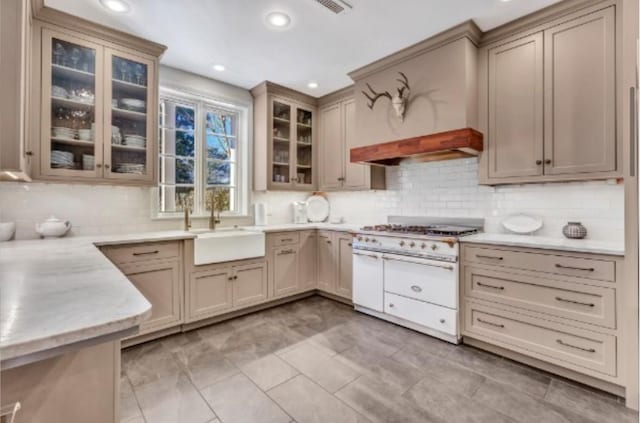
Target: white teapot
[(53, 227)]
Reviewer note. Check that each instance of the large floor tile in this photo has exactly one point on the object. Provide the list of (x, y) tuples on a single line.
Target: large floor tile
[(522, 407), (268, 371), (589, 404), (307, 402), (173, 399), (148, 362), (204, 364), (367, 396), (455, 378), (526, 379), (397, 376), (323, 369), (129, 408), (452, 406), (238, 400)]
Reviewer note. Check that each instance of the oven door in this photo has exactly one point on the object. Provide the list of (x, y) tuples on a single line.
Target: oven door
[(431, 281), (368, 287)]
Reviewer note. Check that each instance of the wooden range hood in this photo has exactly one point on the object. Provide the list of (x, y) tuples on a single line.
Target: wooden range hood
[(448, 145)]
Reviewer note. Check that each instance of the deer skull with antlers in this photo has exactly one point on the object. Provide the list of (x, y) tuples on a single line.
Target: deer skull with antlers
[(398, 101)]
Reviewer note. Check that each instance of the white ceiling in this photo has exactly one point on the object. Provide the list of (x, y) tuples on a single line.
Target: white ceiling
[(319, 45)]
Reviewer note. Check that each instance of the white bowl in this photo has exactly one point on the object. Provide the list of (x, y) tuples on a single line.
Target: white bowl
[(7, 229)]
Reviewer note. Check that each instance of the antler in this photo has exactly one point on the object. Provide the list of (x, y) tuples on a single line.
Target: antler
[(376, 96), (405, 84)]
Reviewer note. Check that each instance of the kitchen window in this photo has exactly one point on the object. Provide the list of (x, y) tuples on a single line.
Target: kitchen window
[(202, 149)]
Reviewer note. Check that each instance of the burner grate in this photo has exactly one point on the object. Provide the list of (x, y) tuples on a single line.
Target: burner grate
[(438, 230)]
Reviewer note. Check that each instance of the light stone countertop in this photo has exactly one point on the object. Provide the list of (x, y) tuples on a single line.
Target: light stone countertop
[(57, 292), (284, 227), (547, 243)]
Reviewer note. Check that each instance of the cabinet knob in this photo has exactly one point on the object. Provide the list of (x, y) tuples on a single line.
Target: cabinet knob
[(442, 321), (538, 162), (28, 153), (391, 305), (98, 166), (106, 166), (548, 161)]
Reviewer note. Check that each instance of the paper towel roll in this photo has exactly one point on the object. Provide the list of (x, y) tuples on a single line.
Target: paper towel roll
[(260, 212)]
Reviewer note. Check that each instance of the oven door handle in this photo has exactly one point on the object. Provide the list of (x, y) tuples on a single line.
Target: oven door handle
[(366, 255), (450, 268)]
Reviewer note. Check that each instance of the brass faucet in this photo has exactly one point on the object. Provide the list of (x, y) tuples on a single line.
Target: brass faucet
[(185, 203), (213, 204)]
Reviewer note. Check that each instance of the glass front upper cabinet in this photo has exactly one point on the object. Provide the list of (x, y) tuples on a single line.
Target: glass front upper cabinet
[(128, 152), (72, 107), (292, 146), (97, 123)]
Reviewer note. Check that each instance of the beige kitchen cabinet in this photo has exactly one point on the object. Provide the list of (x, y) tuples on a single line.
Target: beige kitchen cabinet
[(97, 105), (285, 270), (344, 280), (308, 260), (14, 70), (580, 95), (516, 108), (551, 102), (249, 283), (559, 311), (336, 138), (160, 281), (284, 139), (210, 292), (326, 262)]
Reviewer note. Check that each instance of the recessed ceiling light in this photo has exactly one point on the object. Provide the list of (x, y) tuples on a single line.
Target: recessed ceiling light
[(312, 84), (278, 20), (219, 68), (118, 6)]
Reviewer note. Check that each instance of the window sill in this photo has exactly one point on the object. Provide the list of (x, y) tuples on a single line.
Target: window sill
[(201, 217)]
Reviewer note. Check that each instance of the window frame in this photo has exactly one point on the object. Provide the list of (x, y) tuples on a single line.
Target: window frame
[(202, 105)]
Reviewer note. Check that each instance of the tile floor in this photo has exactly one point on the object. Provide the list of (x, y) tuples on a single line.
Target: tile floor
[(316, 360)]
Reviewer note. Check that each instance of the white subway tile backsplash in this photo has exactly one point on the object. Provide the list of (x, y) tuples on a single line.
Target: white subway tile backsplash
[(446, 189)]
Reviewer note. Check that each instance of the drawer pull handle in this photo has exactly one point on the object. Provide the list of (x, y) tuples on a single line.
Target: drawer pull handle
[(498, 325), (286, 240), (564, 344), (146, 253), (450, 268), (416, 288), (285, 252), (564, 300), (489, 257), (584, 269), (484, 285)]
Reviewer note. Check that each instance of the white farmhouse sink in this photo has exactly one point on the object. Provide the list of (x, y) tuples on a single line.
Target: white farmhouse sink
[(227, 245)]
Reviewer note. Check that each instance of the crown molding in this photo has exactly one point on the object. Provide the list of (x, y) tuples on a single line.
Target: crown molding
[(337, 96), (268, 87), (48, 15)]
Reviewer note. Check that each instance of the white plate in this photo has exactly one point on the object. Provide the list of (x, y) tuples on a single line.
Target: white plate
[(522, 223), (317, 208)]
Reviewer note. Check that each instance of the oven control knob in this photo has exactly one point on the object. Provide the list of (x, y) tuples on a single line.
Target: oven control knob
[(359, 238), (366, 240), (373, 240), (413, 244), (423, 246), (402, 243), (434, 247)]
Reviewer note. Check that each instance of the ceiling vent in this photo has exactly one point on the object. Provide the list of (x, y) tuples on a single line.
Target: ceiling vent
[(336, 6)]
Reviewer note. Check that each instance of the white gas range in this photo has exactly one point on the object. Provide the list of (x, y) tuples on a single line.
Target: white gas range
[(406, 272)]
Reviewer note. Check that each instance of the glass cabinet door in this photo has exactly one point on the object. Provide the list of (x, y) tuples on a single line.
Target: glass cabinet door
[(281, 143), (72, 106), (304, 147), (128, 134)]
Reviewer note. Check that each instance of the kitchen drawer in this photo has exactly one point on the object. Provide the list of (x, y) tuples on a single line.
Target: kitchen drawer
[(588, 268), (584, 303), (132, 253), (559, 344), (430, 281), (284, 238), (425, 314)]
